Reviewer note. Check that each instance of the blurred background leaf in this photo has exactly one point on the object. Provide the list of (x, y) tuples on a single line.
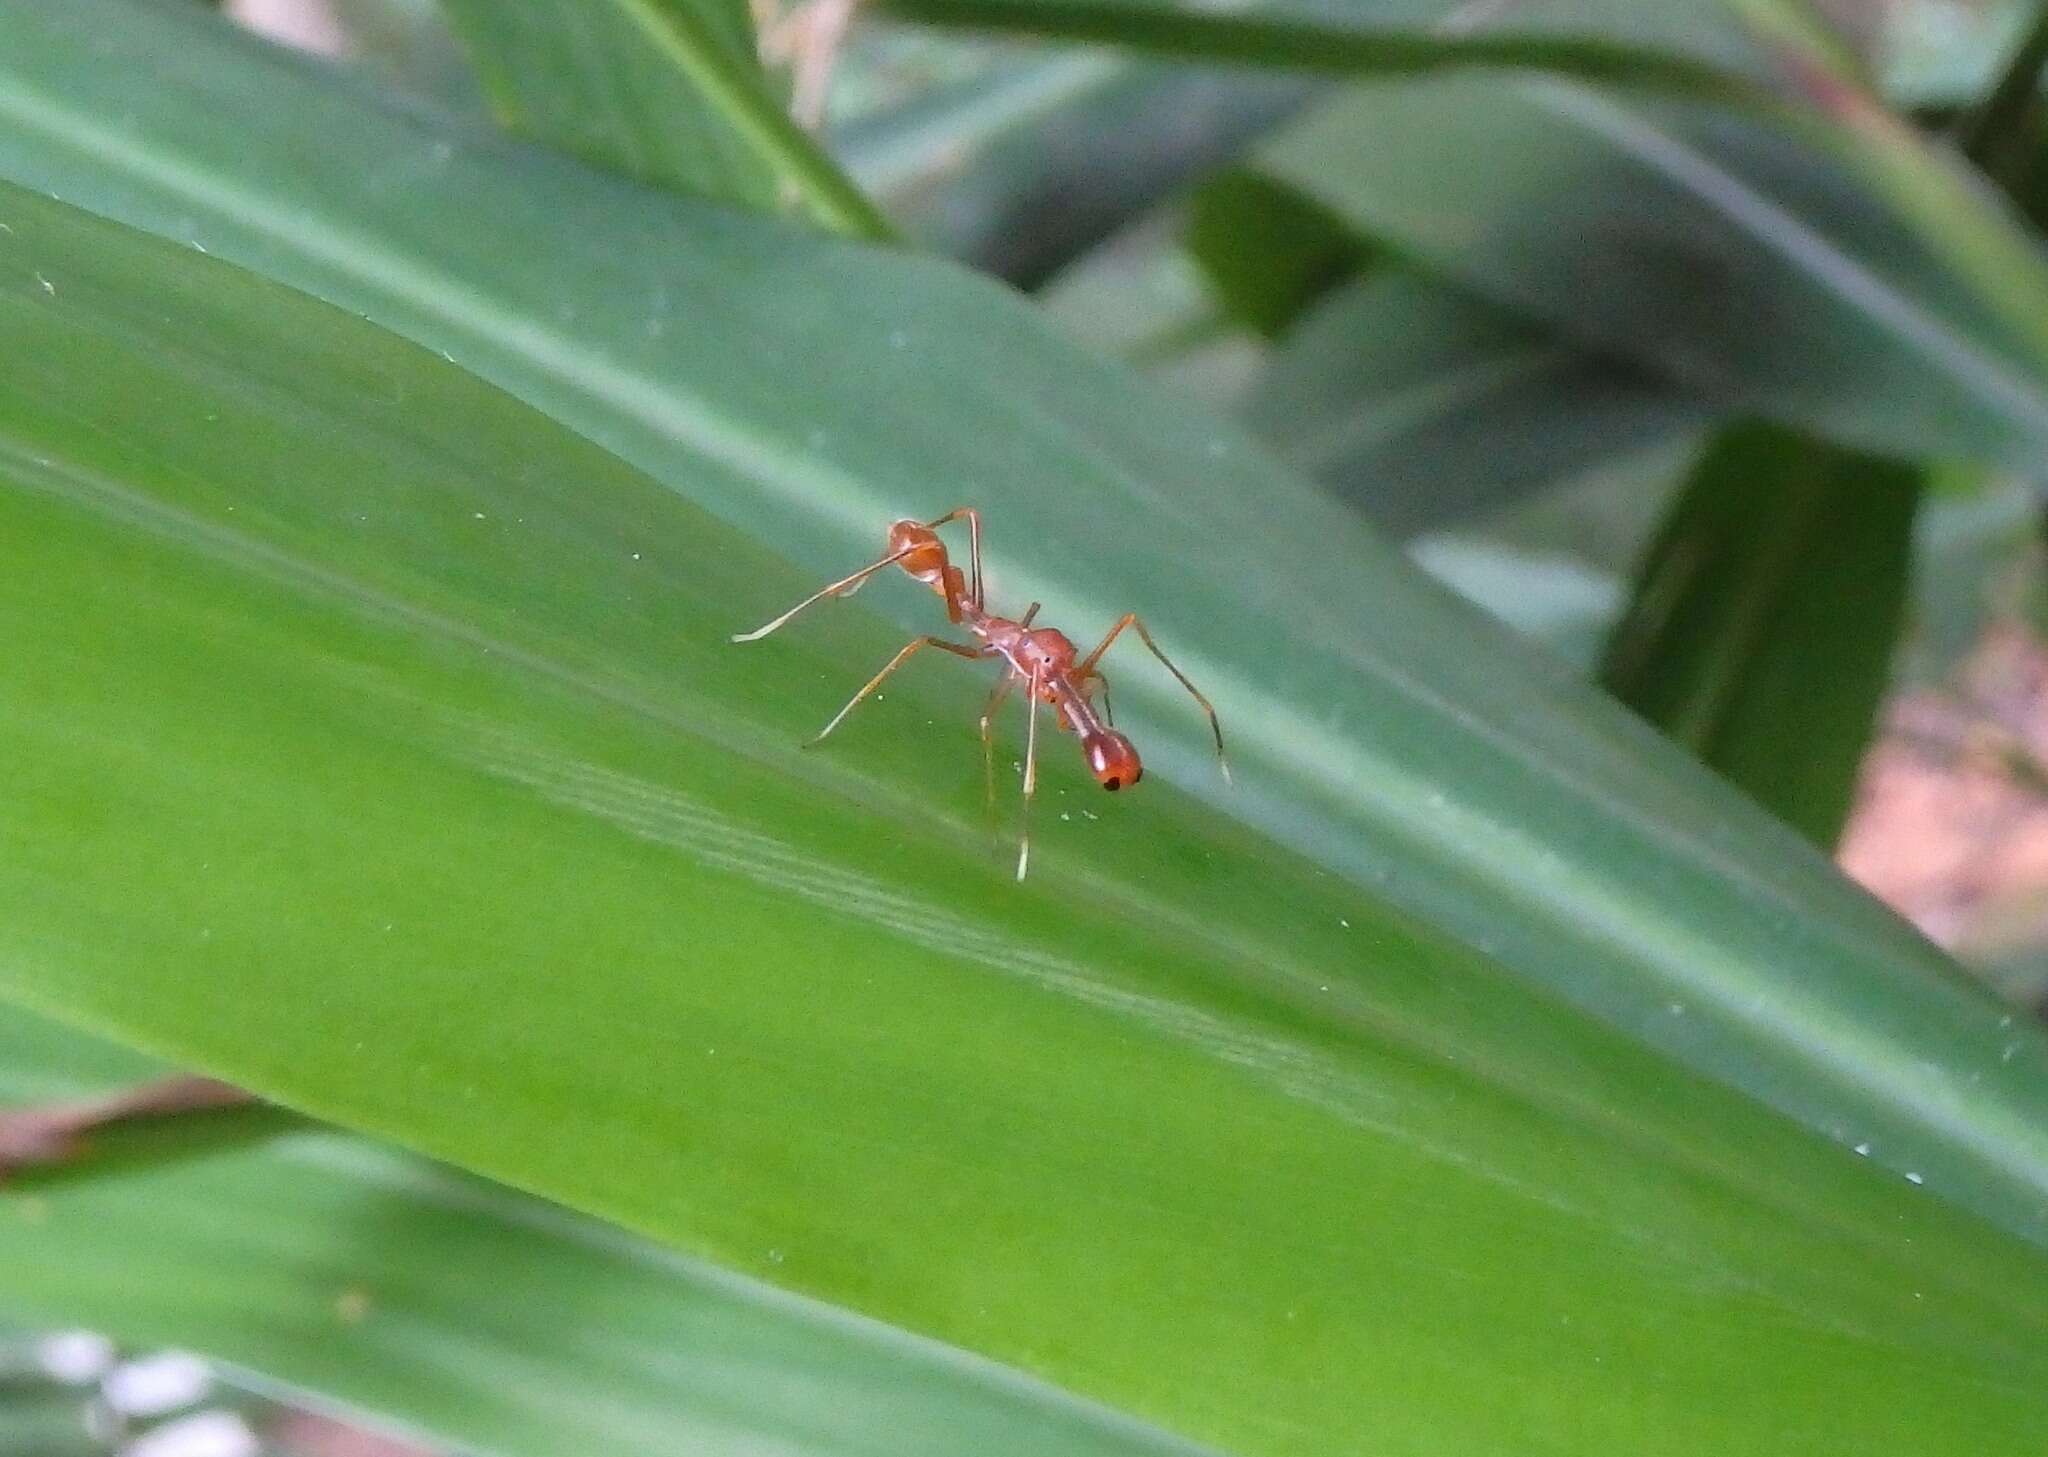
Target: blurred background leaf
[(1765, 616), (1661, 41), (667, 91), (1743, 255), (1267, 250), (1421, 406)]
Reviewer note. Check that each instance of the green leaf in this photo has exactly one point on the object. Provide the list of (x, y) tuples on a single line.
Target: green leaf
[(461, 824), (1821, 275), (475, 1316), (629, 361), (667, 91), (1317, 1046), (1040, 159), (1141, 300), (1268, 251), (1420, 405), (1661, 42), (1763, 622)]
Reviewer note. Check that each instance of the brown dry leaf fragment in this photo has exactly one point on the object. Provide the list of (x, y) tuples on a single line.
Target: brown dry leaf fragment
[(54, 1132)]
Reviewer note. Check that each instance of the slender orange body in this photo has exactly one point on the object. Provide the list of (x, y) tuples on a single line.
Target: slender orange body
[(1043, 659), (1041, 655)]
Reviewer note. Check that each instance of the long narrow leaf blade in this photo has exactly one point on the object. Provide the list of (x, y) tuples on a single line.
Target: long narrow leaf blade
[(426, 794), (474, 1316), (1688, 45), (1761, 630), (806, 391)]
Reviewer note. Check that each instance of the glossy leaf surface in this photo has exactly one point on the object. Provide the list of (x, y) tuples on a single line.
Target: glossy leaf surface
[(461, 822), (538, 800), (1388, 735), (459, 1310)]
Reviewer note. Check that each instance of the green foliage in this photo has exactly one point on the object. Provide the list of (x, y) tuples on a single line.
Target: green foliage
[(1421, 405), (377, 743), (538, 755), (1770, 262), (1662, 42), (1267, 251), (1763, 622), (668, 91), (331, 1263)]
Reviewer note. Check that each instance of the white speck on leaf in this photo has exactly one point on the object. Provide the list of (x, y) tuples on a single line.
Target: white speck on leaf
[(1915, 1179), (1864, 1149), (48, 287)]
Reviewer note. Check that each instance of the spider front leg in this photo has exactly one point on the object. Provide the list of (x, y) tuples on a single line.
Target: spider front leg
[(846, 586), (1131, 619)]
